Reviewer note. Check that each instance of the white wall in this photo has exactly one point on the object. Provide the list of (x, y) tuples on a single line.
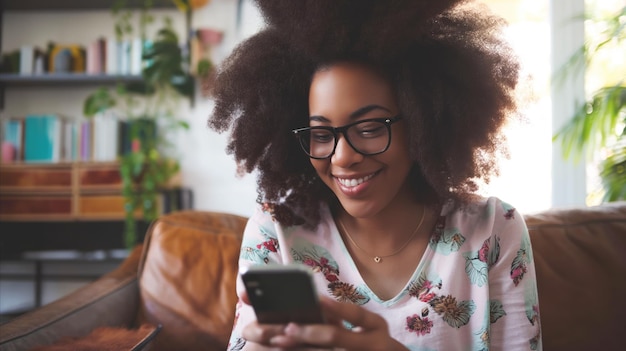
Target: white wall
[(206, 169)]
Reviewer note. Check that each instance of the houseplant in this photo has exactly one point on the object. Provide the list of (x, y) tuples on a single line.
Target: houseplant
[(148, 107), (599, 124)]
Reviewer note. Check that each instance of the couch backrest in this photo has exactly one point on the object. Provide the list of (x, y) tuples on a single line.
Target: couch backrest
[(580, 258), (189, 267), (187, 279)]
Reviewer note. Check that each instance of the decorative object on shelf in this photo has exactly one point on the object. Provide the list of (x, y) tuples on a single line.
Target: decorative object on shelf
[(202, 67), (148, 106), (599, 125), (66, 58), (197, 49)]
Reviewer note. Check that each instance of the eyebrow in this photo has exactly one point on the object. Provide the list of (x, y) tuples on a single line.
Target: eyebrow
[(356, 114)]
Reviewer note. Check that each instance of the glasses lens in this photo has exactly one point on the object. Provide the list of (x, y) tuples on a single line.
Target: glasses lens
[(369, 137), (318, 143)]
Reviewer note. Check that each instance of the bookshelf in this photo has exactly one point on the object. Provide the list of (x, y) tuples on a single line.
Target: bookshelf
[(81, 200), (65, 5), (61, 80), (56, 79)]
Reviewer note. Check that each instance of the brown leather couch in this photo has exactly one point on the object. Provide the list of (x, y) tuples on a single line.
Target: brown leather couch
[(183, 278)]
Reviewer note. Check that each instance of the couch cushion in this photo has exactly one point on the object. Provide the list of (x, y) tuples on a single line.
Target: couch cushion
[(111, 301), (580, 258), (187, 279)]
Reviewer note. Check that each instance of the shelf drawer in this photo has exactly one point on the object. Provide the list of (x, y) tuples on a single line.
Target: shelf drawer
[(33, 178), (101, 205), (36, 205), (100, 177)]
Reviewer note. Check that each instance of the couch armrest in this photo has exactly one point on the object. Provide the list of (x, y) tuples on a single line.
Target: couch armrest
[(111, 300)]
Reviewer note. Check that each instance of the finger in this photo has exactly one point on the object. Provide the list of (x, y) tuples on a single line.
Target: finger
[(244, 298), (262, 333), (328, 336)]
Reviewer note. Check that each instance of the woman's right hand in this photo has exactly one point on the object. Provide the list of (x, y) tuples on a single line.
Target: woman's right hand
[(370, 332)]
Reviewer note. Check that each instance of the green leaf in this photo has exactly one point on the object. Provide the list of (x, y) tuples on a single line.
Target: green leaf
[(184, 85), (594, 124), (613, 172), (100, 101)]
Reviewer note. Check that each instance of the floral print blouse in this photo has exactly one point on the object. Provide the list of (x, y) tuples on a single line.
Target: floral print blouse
[(474, 288)]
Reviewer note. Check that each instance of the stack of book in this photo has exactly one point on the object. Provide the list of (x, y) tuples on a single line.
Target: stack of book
[(49, 138)]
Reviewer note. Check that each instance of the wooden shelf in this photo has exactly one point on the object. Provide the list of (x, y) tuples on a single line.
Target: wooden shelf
[(72, 191), (8, 79), (63, 191), (65, 5)]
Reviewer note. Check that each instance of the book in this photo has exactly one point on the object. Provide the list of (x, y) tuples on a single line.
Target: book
[(42, 138), (13, 134), (176, 199), (142, 130), (85, 144), (105, 137), (111, 65), (27, 59), (94, 57), (70, 140), (123, 57), (40, 62), (136, 48)]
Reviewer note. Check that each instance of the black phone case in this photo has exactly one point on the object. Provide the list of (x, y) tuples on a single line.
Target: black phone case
[(280, 296)]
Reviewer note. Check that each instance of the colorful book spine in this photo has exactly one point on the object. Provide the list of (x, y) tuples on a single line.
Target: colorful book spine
[(42, 138), (85, 141), (12, 139), (69, 140)]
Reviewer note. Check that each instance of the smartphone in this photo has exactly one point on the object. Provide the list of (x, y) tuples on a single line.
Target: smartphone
[(280, 294)]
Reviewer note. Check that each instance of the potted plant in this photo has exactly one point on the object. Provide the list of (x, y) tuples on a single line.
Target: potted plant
[(149, 109), (599, 124)]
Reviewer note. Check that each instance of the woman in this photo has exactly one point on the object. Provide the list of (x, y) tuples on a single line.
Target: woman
[(369, 124)]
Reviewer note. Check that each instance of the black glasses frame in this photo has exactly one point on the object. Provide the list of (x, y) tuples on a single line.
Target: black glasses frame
[(388, 121)]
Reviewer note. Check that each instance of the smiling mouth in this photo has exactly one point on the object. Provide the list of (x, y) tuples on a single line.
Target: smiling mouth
[(350, 183)]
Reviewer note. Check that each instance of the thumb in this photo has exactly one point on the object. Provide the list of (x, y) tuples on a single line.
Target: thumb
[(244, 297)]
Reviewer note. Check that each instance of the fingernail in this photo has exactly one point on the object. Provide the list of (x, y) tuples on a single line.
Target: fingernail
[(277, 340), (292, 329)]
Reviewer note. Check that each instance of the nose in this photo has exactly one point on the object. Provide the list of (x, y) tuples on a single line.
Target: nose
[(345, 155)]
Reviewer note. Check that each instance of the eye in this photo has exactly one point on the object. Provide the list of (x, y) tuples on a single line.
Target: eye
[(370, 129), (321, 136)]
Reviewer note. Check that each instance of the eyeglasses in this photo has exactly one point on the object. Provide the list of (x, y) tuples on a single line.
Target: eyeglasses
[(367, 137)]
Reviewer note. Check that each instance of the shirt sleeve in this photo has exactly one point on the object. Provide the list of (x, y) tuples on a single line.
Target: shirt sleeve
[(513, 299), (259, 246)]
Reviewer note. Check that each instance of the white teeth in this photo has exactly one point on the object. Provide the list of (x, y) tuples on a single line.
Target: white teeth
[(354, 182)]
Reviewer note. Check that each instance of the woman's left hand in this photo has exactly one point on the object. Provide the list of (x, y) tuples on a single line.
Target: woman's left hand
[(370, 333)]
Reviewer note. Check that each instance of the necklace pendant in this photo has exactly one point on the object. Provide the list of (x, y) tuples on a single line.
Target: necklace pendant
[(377, 259)]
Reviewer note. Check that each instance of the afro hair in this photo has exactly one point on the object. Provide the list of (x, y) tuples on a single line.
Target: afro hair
[(453, 73)]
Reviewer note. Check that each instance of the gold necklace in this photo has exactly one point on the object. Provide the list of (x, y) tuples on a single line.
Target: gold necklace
[(379, 259)]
